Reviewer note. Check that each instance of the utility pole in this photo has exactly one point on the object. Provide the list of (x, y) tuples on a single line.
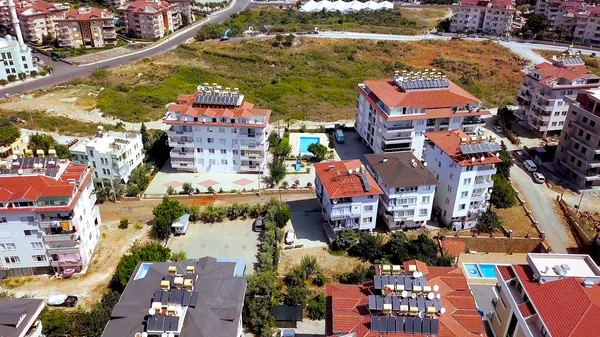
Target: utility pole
[(580, 199)]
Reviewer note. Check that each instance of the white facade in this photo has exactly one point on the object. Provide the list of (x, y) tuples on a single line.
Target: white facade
[(463, 192), (542, 107), (217, 137), (409, 207), (47, 231), (112, 154), (488, 17), (14, 59)]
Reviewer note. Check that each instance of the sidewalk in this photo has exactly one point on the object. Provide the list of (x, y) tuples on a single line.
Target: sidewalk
[(108, 54)]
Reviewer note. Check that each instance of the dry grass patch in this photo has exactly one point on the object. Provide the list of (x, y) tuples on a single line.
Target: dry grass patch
[(515, 219), (330, 264), (424, 17)]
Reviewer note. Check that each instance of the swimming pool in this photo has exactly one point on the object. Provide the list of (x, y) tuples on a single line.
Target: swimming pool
[(304, 142), (142, 271), (474, 270)]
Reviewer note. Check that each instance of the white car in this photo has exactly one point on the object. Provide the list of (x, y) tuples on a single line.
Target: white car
[(498, 129), (290, 237), (539, 178)]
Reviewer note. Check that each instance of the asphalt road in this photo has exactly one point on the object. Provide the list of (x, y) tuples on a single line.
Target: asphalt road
[(64, 72), (542, 205)]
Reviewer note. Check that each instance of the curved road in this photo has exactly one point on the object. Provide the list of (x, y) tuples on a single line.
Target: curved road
[(64, 73)]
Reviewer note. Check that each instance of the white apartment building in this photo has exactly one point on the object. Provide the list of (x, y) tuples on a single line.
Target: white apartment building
[(216, 130), (551, 295), (15, 55), (408, 189), (150, 19), (587, 26), (392, 114), (494, 17), (542, 108), (348, 195), (86, 26), (578, 152), (48, 217), (464, 167), (113, 155)]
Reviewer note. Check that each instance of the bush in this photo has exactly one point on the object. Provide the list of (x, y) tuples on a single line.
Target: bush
[(100, 73), (296, 295), (187, 188), (180, 256), (132, 191), (310, 266), (171, 190), (488, 222), (3, 82), (43, 73), (316, 308), (282, 216), (11, 78), (193, 211), (320, 151), (33, 73), (345, 239), (368, 246), (319, 280), (359, 275), (124, 223)]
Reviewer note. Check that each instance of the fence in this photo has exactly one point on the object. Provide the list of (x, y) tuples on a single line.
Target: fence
[(274, 192), (534, 222), (581, 236)]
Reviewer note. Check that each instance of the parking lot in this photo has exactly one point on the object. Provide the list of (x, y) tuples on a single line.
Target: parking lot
[(352, 148), (306, 221), (229, 239)]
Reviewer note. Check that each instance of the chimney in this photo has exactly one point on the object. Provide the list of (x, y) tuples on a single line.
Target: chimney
[(15, 23)]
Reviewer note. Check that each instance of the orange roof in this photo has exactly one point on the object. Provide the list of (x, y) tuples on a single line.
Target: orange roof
[(454, 247), (449, 142), (340, 184), (550, 72), (40, 7), (90, 13), (506, 272), (349, 312), (146, 6)]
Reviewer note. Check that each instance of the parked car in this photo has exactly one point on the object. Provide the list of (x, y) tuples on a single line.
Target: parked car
[(530, 165), (62, 300), (339, 136), (498, 129), (258, 225), (456, 37), (290, 237), (539, 178), (519, 155)]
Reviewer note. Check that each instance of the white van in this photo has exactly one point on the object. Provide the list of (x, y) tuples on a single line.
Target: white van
[(530, 165)]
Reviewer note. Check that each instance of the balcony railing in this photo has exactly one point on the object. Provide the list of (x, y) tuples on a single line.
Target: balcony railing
[(182, 154), (471, 121), (482, 181), (48, 223), (401, 127), (61, 237)]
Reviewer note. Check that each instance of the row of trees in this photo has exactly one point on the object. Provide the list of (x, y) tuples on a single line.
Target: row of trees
[(297, 292), (273, 210)]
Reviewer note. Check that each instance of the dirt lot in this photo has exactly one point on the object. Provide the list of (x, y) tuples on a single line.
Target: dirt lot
[(515, 219), (330, 264), (428, 17)]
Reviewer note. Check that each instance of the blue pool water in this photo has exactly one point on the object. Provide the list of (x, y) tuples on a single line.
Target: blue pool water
[(142, 271), (305, 142), (487, 270), (472, 270)]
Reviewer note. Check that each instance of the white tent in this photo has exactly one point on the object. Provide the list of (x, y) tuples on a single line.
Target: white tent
[(308, 6), (355, 6), (343, 6)]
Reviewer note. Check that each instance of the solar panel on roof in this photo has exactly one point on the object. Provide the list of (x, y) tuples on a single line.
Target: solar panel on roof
[(417, 325), (365, 182), (194, 299), (395, 303), (375, 323), (408, 325), (412, 302), (404, 301), (437, 304), (185, 300), (387, 300), (400, 324), (407, 284), (157, 296), (421, 303), (377, 282), (426, 325), (372, 303), (164, 298), (171, 323), (391, 324), (379, 302), (435, 327)]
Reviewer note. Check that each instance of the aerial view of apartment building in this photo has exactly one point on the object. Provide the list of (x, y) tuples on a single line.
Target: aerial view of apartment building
[(348, 195), (410, 300), (392, 114), (113, 155), (15, 55), (578, 152), (216, 130), (542, 107), (48, 218), (150, 19), (408, 189), (37, 19), (86, 26), (20, 317), (464, 167), (551, 295), (494, 17)]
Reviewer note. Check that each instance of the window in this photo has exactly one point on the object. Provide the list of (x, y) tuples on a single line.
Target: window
[(2, 220), (464, 194), (199, 150), (462, 206), (425, 200), (7, 246), (27, 219), (467, 181), (369, 197), (236, 152), (211, 150), (29, 232), (224, 161), (449, 188), (447, 201), (367, 220), (211, 140), (423, 211), (211, 161), (38, 258), (469, 168), (221, 130), (368, 208), (222, 141), (223, 151), (12, 259), (37, 245)]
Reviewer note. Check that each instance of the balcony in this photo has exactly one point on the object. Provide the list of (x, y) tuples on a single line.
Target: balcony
[(181, 154), (56, 248), (63, 237), (398, 137), (473, 121), (180, 143), (174, 133), (56, 222), (399, 127), (253, 168), (483, 180)]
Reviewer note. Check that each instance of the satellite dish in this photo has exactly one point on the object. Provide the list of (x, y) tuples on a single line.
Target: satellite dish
[(421, 314), (416, 274), (138, 334), (430, 296), (144, 334), (442, 310), (151, 311), (404, 293), (425, 163), (436, 288), (335, 201), (438, 296), (20, 172), (14, 157), (413, 295)]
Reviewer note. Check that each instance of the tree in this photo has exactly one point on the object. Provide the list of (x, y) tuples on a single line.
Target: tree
[(345, 239), (317, 308), (273, 139), (444, 25), (282, 216), (296, 295), (180, 256), (46, 142), (157, 150), (488, 222), (22, 76), (536, 24), (284, 148), (170, 209), (369, 247), (503, 168), (145, 136), (276, 171), (397, 249), (8, 132), (289, 40), (503, 195), (320, 151), (187, 188), (423, 248), (151, 252), (47, 39), (193, 211), (140, 177), (185, 20), (161, 228), (310, 265), (124, 223)]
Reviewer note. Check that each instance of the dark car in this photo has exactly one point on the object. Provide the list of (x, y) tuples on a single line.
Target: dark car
[(258, 225), (62, 301)]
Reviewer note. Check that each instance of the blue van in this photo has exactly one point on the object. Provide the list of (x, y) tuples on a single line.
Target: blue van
[(339, 136)]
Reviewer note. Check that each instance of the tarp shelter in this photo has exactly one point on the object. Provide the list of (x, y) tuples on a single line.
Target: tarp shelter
[(287, 316)]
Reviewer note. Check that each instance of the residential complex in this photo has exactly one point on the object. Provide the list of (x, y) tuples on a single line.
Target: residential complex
[(348, 195), (412, 300), (216, 130), (16, 148), (48, 217), (20, 317), (15, 55), (185, 299), (392, 114), (552, 295), (408, 189), (578, 153), (86, 26), (151, 19), (494, 17), (37, 19), (112, 154), (464, 167), (542, 107)]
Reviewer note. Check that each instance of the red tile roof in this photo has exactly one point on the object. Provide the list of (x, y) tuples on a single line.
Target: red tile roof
[(421, 266), (454, 247), (449, 142), (91, 13), (40, 8), (566, 306), (550, 72), (339, 184), (349, 312), (502, 4), (506, 272), (146, 6), (526, 309)]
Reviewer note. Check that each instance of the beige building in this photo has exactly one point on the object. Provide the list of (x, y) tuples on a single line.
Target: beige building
[(150, 19), (37, 19), (87, 26), (17, 147), (493, 17)]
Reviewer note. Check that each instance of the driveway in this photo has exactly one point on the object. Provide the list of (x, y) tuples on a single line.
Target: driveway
[(306, 221), (541, 203), (229, 239), (352, 148)]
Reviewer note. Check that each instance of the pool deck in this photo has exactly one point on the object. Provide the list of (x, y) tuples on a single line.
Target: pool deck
[(295, 140), (488, 258)]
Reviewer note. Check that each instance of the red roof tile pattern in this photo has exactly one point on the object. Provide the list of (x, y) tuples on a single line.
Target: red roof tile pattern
[(502, 4), (40, 8), (421, 266), (506, 272), (551, 72), (454, 247), (339, 183), (86, 14), (349, 312), (526, 309), (449, 142), (146, 6), (566, 306)]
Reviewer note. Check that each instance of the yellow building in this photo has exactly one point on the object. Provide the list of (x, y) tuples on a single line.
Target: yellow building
[(17, 147)]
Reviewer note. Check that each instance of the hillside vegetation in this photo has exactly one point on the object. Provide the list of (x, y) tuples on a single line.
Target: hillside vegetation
[(314, 80)]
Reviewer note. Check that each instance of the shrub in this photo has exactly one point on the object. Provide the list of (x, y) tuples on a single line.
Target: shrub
[(310, 265), (488, 222), (33, 73), (193, 211), (151, 252), (180, 256), (124, 223), (320, 151), (285, 185), (187, 188), (309, 184), (359, 275), (282, 215), (319, 280), (3, 82), (171, 190), (296, 295), (345, 239), (317, 308), (11, 78), (210, 190), (302, 126), (43, 73), (100, 73)]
